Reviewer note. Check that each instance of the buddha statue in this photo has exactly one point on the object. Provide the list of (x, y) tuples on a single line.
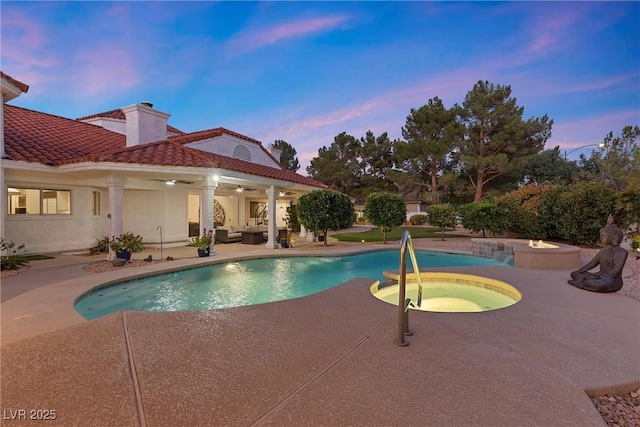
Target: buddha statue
[(611, 260)]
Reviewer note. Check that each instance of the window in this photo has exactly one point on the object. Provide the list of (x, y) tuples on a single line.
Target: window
[(35, 201), (95, 203)]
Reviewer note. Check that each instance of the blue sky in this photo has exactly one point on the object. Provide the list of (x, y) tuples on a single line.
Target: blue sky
[(306, 71)]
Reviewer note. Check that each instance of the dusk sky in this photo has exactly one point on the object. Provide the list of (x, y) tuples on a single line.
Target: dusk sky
[(307, 71)]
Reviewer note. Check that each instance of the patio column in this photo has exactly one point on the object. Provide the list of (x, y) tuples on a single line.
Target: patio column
[(116, 187), (242, 211), (271, 206), (208, 193), (3, 204)]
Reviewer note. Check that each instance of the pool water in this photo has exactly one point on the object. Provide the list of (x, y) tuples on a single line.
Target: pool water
[(249, 282), (467, 294)]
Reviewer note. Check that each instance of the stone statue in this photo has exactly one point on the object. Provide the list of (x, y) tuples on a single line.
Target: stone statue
[(611, 259)]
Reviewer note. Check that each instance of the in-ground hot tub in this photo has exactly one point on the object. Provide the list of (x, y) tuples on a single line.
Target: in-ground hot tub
[(449, 292), (529, 254)]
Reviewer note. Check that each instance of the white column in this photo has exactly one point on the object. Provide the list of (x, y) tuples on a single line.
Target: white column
[(272, 242), (242, 210), (116, 186), (3, 191), (207, 209), (303, 232), (4, 194)]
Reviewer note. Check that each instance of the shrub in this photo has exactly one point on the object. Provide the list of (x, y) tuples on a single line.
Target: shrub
[(9, 260), (292, 218), (483, 216), (520, 220), (576, 212), (442, 216), (324, 210), (418, 219), (102, 244), (385, 210)]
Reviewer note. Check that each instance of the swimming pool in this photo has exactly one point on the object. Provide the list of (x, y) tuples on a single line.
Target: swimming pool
[(249, 282)]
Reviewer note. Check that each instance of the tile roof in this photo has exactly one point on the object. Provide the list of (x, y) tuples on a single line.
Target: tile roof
[(23, 87), (119, 114), (32, 136), (210, 133)]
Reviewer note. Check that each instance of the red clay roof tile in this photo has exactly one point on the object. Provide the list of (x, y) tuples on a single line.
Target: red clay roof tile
[(33, 136)]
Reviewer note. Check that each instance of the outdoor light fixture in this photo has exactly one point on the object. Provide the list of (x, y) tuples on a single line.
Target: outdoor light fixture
[(171, 182), (239, 189), (281, 193), (601, 145)]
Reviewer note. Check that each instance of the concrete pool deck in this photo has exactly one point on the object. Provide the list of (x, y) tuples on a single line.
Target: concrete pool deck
[(325, 359)]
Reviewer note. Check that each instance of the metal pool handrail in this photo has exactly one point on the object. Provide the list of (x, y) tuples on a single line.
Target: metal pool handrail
[(403, 302)]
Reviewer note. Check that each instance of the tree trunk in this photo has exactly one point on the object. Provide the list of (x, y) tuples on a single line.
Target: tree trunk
[(480, 176), (434, 187), (479, 185)]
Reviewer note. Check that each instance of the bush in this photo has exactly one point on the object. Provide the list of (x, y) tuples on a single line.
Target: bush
[(520, 220), (9, 260), (102, 244), (292, 218), (385, 210), (483, 216), (418, 219), (576, 212), (324, 210), (442, 216), (522, 206)]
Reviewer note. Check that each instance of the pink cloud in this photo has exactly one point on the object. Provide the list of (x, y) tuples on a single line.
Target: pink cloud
[(252, 40), (102, 70), (20, 28), (24, 49), (590, 130)]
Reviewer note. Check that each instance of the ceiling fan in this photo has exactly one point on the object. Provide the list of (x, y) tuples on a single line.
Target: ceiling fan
[(170, 181), (286, 193), (240, 189)]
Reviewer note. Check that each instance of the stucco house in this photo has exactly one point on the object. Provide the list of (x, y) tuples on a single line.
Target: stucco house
[(67, 182)]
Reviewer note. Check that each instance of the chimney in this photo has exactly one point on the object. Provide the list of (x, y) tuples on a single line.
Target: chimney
[(144, 124), (275, 152)]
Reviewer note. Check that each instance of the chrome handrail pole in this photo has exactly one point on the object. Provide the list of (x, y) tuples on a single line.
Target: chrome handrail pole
[(403, 305)]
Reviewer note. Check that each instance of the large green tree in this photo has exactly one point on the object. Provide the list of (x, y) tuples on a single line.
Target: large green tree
[(385, 210), (548, 167), (375, 155), (288, 155), (324, 210), (337, 165), (497, 139), (617, 162), (430, 134)]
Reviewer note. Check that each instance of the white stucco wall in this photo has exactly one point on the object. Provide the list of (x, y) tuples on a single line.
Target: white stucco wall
[(230, 206), (145, 210), (114, 125), (58, 233), (225, 145)]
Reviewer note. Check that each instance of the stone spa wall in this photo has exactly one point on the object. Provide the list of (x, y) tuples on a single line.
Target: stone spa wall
[(528, 254)]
